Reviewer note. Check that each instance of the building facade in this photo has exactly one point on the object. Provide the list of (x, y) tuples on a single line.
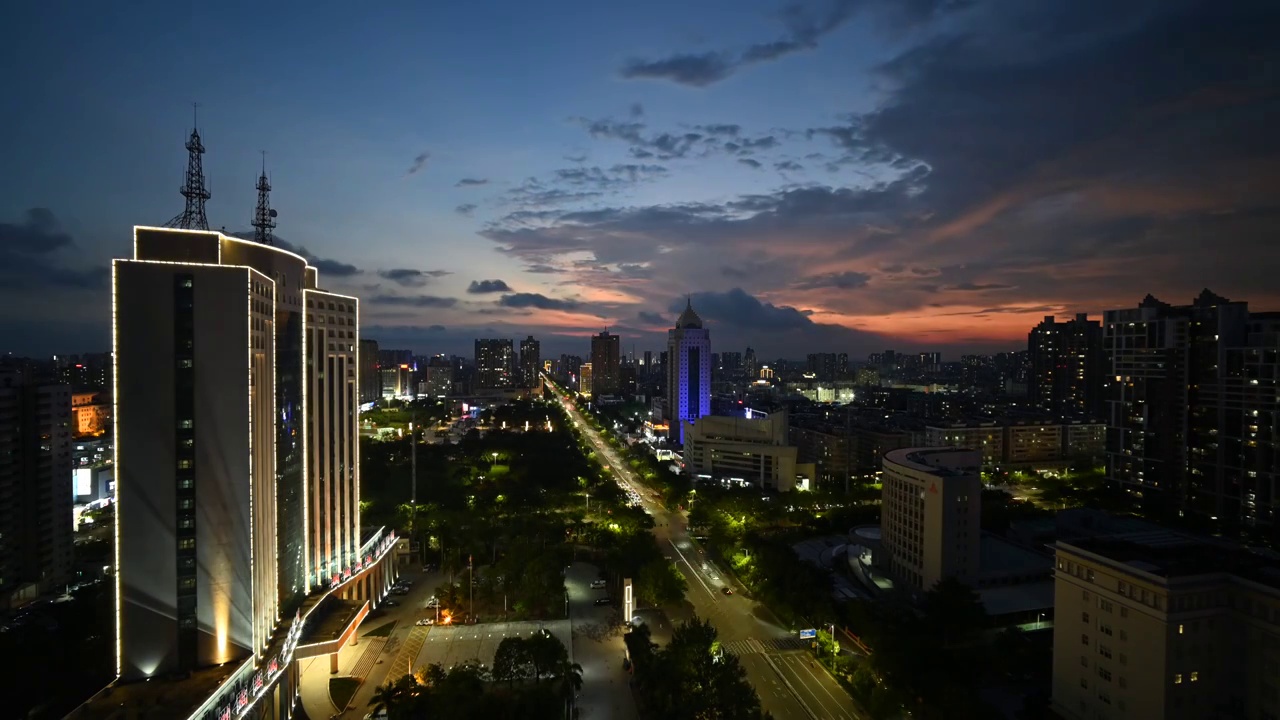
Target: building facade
[(370, 379), (746, 452), (530, 361), (1067, 370), (606, 358), (930, 516), (35, 488), (1192, 414), (236, 491), (585, 379), (688, 372), (495, 364), (1157, 625)]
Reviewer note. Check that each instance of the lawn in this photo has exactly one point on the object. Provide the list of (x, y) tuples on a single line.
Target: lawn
[(382, 630), (341, 689)]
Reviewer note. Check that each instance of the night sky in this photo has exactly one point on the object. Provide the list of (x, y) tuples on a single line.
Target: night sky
[(838, 175)]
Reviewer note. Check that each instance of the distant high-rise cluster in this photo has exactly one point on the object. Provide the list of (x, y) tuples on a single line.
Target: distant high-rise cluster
[(606, 357), (495, 364), (1066, 367)]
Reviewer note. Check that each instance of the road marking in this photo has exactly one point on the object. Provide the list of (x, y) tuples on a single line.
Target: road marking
[(817, 680), (790, 687), (694, 572)]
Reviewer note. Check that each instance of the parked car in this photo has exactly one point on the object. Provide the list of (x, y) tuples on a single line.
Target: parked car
[(391, 603), (597, 584), (604, 601), (399, 591), (433, 603), (425, 621)]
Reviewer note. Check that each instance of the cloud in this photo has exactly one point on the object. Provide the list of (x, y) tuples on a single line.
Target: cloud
[(325, 266), (408, 277), (848, 280), (38, 253), (478, 287), (419, 162), (417, 301), (977, 287), (536, 300), (465, 209), (737, 308), (472, 182), (751, 163), (804, 26), (652, 318), (788, 166)]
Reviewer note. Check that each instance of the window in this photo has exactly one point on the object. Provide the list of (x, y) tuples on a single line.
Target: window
[(1123, 682), (1104, 629), (1124, 635), (1084, 661), (1084, 683), (186, 484), (1195, 675), (185, 424), (184, 464), (1084, 617), (1104, 651), (1084, 639), (1124, 659), (187, 544), (1104, 605), (1180, 628), (187, 523), (187, 583), (1177, 678), (1124, 612), (1104, 673), (186, 503)]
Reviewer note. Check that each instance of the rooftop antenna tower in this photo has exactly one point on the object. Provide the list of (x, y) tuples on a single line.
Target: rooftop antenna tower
[(193, 217), (264, 218)]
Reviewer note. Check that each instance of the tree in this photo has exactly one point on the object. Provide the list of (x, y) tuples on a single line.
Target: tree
[(954, 611), (546, 653), (691, 679), (660, 583), (512, 660)]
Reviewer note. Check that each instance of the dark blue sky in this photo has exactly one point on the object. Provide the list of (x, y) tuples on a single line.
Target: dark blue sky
[(826, 175)]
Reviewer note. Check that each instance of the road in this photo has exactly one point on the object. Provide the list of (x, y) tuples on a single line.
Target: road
[(790, 684)]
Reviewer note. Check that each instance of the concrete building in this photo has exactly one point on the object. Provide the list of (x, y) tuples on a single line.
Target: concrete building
[(986, 436), (749, 452), (370, 379), (930, 517), (1067, 370), (90, 414), (35, 488), (1156, 625), (332, 412), (396, 381), (439, 382), (1024, 443), (606, 358), (585, 379), (495, 364), (688, 372), (1192, 407), (530, 362), (237, 469)]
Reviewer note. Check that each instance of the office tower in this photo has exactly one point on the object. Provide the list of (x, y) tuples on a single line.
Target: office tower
[(439, 377), (530, 361), (605, 356), (688, 372), (225, 395), (750, 366), (648, 364), (332, 415), (1186, 383), (35, 484), (1066, 366), (1158, 625), (931, 505), (585, 379), (370, 379), (495, 359)]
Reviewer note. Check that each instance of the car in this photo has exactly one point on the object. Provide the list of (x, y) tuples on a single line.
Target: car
[(597, 584), (604, 601), (399, 591), (425, 622), (391, 603), (433, 603), (727, 590)]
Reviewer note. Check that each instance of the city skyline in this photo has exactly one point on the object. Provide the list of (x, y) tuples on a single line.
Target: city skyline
[(798, 171)]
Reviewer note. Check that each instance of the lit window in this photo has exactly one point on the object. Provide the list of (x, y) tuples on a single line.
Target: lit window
[(1177, 679), (1180, 628), (1195, 675)]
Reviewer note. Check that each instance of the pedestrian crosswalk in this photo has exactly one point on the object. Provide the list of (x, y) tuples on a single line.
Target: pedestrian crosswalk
[(756, 646)]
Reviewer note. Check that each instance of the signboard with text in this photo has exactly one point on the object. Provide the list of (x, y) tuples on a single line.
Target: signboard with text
[(808, 634)]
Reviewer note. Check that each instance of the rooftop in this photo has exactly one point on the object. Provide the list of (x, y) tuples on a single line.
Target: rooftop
[(157, 698), (1171, 555), (948, 460)]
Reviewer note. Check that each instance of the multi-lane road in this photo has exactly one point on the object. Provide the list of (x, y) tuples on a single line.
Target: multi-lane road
[(791, 686)]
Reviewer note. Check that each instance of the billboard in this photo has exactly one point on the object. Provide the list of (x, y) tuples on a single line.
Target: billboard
[(82, 483)]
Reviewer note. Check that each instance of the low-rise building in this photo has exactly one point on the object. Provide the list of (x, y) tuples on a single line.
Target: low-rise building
[(749, 451), (930, 517)]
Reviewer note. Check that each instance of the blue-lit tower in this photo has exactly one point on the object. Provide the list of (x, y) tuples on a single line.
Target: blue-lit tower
[(688, 372)]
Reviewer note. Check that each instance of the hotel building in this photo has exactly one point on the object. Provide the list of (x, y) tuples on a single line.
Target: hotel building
[(1155, 624), (688, 372), (237, 468), (930, 516)]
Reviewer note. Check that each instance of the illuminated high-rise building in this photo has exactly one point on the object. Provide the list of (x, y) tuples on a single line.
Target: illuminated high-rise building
[(530, 361), (606, 359), (1066, 366), (688, 372), (495, 362), (236, 440)]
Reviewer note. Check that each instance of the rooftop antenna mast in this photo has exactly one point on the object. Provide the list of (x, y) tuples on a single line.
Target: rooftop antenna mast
[(264, 218), (193, 217)]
